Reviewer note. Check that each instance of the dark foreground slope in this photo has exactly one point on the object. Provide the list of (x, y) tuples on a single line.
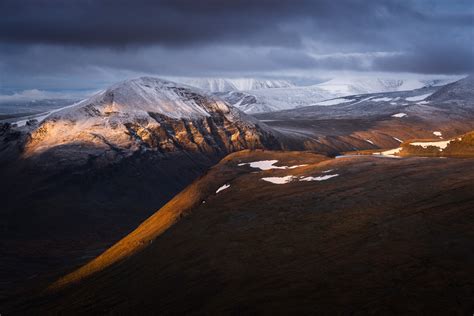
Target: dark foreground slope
[(385, 236), (85, 176)]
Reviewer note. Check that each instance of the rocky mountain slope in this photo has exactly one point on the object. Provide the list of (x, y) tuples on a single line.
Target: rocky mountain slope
[(146, 114), (237, 242), (460, 90)]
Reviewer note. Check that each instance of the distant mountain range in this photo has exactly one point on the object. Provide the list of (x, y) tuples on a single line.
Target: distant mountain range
[(260, 96), (352, 86), (233, 84)]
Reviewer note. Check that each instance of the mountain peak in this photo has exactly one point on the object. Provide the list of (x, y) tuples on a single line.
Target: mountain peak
[(149, 94), (144, 114)]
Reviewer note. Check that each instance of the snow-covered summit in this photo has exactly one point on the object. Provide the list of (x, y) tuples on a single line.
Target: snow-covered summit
[(147, 94), (147, 114)]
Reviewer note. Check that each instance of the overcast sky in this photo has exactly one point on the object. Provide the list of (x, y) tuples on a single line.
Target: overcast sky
[(87, 44)]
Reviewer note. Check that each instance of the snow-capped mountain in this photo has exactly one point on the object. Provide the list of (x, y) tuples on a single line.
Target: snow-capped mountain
[(360, 85), (459, 90), (147, 114), (270, 100), (233, 84), (285, 98)]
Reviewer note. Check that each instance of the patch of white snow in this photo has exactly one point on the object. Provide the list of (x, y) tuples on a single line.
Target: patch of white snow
[(279, 180), (262, 165), (441, 144), (399, 115), (320, 178), (267, 165), (389, 153), (222, 188), (398, 140), (418, 97)]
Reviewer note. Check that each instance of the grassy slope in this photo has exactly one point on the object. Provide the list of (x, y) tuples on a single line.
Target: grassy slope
[(170, 213), (386, 236)]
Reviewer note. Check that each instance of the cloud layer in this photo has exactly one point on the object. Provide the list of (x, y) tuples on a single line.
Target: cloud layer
[(52, 43)]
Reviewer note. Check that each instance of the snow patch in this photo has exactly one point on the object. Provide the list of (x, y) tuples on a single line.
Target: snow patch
[(320, 178), (296, 166), (441, 144), (418, 97), (369, 141), (222, 188), (399, 115), (437, 133), (267, 165), (389, 153), (279, 180), (398, 140)]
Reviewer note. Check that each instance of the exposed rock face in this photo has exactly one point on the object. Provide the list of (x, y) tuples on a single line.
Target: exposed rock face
[(147, 114)]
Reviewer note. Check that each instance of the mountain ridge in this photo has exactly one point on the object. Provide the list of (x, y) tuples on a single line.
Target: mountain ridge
[(147, 114)]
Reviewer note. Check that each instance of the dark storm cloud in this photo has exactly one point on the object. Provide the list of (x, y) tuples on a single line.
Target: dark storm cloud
[(120, 22), (52, 43), (187, 22)]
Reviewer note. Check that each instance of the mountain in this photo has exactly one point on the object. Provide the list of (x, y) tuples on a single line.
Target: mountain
[(286, 98), (76, 180), (146, 114), (379, 120), (271, 100), (245, 239), (461, 90), (235, 84), (361, 85)]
